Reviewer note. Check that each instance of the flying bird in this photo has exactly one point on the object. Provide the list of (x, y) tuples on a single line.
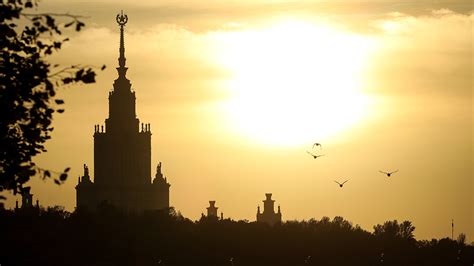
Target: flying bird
[(389, 173), (317, 144), (315, 156), (341, 184)]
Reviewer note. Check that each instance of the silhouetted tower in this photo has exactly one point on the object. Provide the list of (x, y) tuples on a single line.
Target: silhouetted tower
[(268, 215), (122, 153), (27, 201), (212, 209)]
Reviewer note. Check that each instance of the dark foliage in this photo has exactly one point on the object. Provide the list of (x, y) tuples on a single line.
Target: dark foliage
[(28, 85), (55, 237)]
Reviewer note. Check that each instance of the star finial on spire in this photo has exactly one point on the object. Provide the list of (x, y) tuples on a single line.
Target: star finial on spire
[(122, 20)]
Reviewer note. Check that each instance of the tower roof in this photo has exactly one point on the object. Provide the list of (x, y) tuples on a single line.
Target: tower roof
[(122, 19)]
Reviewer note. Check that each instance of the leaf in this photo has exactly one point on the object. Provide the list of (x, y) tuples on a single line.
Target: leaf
[(63, 177), (59, 101), (28, 5), (67, 169), (68, 24), (89, 77), (79, 74), (67, 80), (79, 25), (50, 21), (103, 67), (49, 85), (47, 173), (60, 111), (57, 182)]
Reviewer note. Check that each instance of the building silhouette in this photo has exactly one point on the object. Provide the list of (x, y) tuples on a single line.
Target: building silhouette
[(269, 215), (212, 209), (27, 201), (122, 154)]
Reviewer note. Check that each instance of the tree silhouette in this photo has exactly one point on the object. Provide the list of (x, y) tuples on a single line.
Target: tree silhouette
[(28, 85), (114, 237), (392, 229)]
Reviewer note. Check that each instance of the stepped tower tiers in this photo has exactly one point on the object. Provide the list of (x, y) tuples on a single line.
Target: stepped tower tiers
[(269, 215), (212, 209), (122, 153), (27, 205)]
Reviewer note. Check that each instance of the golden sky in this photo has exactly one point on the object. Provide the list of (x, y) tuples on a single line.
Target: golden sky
[(237, 91)]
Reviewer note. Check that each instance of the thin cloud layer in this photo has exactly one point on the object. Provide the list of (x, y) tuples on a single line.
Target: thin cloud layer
[(429, 55)]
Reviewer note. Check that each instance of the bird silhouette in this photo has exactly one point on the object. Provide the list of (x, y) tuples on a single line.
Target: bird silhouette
[(341, 184), (389, 173), (317, 144), (315, 156)]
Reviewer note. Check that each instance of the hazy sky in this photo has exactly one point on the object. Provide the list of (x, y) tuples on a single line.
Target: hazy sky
[(237, 91)]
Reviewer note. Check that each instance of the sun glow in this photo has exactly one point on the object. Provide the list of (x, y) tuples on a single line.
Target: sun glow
[(294, 82)]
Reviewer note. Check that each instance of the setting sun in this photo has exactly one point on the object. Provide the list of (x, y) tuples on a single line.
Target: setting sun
[(294, 82)]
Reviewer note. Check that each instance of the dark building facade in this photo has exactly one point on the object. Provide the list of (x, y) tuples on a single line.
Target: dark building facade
[(269, 215), (212, 209), (122, 154)]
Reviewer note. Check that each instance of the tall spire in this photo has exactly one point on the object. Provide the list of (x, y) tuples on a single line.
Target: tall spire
[(122, 20)]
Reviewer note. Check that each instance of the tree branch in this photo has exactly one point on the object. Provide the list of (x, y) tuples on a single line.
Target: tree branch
[(54, 15)]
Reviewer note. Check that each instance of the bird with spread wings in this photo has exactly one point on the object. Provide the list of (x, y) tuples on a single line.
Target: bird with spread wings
[(389, 173), (315, 156), (341, 184)]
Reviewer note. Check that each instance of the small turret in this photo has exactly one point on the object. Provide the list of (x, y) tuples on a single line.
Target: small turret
[(27, 202), (268, 215), (212, 209), (26, 198)]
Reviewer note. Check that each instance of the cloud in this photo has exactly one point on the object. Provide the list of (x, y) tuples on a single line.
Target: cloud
[(212, 14), (430, 55), (164, 59)]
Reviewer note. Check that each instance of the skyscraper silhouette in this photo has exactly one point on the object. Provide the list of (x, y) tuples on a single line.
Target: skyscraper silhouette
[(122, 153)]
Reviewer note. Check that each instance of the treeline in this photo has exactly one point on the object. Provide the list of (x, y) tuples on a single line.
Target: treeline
[(108, 237)]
